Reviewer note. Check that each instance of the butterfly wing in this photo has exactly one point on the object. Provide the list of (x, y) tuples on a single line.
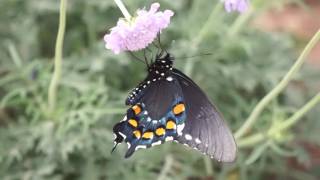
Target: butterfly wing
[(168, 105), (205, 129), (157, 115)]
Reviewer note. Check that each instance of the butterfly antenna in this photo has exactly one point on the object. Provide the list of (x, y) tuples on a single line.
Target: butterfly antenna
[(134, 56), (198, 55), (159, 41), (158, 47), (145, 58)]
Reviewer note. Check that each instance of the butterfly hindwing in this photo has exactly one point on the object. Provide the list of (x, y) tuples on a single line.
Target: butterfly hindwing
[(157, 116), (205, 128)]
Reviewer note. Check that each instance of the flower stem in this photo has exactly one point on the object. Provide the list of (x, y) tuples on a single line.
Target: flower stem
[(208, 165), (251, 140), (202, 33), (276, 91), (297, 116), (207, 26), (239, 23), (254, 139), (57, 57), (123, 9), (166, 167)]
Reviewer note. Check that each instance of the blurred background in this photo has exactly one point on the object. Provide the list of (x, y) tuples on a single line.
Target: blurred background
[(250, 54)]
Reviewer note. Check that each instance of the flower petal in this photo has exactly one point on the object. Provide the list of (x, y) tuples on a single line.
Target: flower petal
[(236, 5), (139, 32)]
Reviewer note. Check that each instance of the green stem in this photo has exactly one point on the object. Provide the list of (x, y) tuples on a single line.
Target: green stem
[(259, 137), (297, 116), (202, 33), (208, 166), (239, 23), (276, 91), (207, 26), (123, 9), (166, 168), (58, 57), (15, 55), (251, 140)]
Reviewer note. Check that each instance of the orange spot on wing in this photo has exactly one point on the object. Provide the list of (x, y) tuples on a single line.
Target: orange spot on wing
[(147, 135), (133, 122), (160, 131), (136, 109), (137, 134), (170, 125), (178, 109)]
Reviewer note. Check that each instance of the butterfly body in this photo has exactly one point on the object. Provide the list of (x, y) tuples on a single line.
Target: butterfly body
[(168, 106)]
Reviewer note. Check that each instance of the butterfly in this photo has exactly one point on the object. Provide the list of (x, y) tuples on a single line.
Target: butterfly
[(169, 106)]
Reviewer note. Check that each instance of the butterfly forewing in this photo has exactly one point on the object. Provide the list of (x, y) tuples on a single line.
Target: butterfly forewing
[(205, 128)]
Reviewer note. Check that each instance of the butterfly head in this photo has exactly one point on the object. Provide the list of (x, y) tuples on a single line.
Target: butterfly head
[(163, 63)]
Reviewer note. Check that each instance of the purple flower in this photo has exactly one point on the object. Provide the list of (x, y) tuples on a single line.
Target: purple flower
[(236, 5), (139, 32)]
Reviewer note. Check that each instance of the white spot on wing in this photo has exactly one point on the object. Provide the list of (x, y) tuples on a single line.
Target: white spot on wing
[(124, 119), (180, 128), (169, 138), (156, 143), (169, 78), (123, 135), (129, 145), (188, 137), (141, 147), (197, 140)]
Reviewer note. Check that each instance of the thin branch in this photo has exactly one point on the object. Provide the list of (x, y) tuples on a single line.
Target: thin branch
[(166, 168), (123, 9), (259, 137), (53, 87), (278, 89)]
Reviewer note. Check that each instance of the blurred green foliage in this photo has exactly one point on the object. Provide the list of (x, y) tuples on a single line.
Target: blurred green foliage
[(75, 142)]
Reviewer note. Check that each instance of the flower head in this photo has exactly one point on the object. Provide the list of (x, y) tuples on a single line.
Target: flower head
[(139, 32), (236, 5)]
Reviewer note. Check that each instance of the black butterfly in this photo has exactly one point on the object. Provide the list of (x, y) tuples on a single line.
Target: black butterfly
[(169, 106)]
